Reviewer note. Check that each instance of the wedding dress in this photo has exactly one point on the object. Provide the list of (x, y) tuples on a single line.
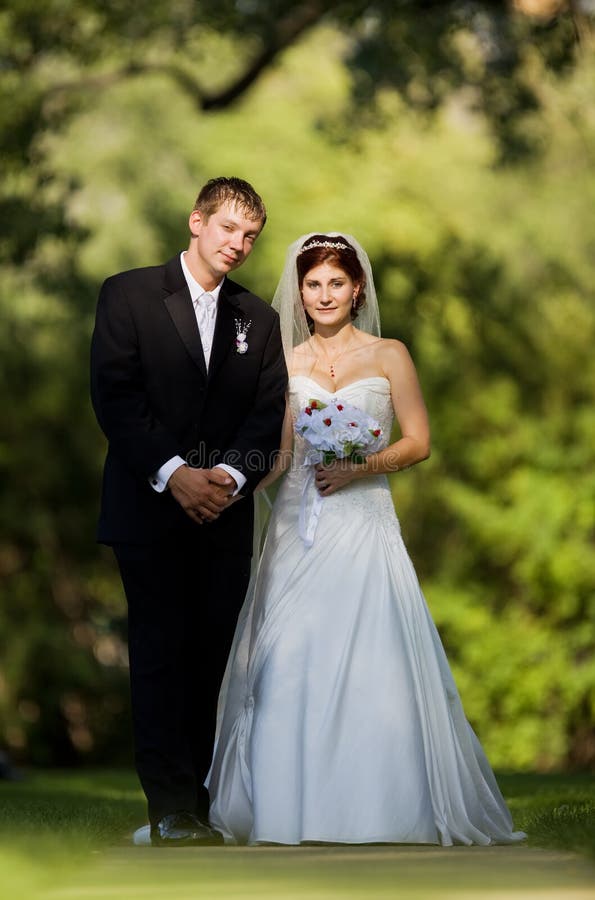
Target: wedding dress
[(339, 717)]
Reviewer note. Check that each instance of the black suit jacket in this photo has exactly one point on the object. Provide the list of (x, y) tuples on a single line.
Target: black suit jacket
[(154, 399)]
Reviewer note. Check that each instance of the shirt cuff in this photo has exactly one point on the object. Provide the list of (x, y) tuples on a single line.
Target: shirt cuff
[(158, 480), (239, 478)]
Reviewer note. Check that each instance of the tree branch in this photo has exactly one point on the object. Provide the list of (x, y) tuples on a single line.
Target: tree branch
[(582, 25), (284, 33)]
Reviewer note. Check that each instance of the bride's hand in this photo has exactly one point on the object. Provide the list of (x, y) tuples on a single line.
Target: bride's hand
[(335, 475)]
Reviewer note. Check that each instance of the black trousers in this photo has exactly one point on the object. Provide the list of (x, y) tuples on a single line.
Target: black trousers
[(183, 602)]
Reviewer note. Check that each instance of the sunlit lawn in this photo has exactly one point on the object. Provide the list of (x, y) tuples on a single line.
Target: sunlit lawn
[(67, 834)]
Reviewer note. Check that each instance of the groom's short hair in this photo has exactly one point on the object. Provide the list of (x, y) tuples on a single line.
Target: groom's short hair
[(240, 193)]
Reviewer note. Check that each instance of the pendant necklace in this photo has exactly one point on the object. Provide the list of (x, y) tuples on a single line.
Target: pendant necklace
[(331, 365)]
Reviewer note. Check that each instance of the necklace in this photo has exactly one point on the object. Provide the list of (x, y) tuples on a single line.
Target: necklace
[(333, 363)]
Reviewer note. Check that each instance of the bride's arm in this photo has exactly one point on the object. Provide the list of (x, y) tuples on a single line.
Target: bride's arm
[(283, 458), (414, 444)]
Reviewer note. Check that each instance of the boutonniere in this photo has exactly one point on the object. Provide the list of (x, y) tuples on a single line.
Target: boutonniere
[(242, 329)]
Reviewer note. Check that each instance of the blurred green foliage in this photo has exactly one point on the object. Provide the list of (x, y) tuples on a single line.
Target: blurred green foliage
[(464, 164)]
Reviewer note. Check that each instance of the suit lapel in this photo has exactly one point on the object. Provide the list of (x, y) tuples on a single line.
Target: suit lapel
[(180, 307), (228, 311)]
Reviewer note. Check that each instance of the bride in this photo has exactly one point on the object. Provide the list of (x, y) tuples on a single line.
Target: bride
[(339, 719)]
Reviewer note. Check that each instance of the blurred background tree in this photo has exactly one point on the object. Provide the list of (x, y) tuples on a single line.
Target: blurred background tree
[(456, 140)]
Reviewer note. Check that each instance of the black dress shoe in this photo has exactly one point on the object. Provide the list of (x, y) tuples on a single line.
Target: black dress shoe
[(184, 829)]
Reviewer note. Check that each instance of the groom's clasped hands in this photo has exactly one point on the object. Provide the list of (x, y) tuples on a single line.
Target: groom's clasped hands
[(203, 494)]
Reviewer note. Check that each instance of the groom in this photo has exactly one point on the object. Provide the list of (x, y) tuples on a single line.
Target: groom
[(187, 382)]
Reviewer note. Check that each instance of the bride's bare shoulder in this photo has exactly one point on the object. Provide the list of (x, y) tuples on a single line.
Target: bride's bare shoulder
[(302, 349), (384, 348), (300, 359), (392, 347), (394, 357)]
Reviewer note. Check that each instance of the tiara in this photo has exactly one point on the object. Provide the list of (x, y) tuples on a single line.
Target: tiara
[(332, 245)]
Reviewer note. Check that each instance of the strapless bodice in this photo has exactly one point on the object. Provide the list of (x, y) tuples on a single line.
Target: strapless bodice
[(372, 395)]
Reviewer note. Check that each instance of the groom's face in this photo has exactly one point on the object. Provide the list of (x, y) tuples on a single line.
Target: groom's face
[(223, 241)]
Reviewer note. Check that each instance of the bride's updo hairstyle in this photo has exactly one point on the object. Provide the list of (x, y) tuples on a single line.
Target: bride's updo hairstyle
[(336, 250)]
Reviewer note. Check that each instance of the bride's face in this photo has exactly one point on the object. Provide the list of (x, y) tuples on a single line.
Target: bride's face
[(328, 293)]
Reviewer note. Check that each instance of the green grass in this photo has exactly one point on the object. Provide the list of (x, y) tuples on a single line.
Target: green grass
[(67, 835), (556, 811), (84, 809), (91, 809)]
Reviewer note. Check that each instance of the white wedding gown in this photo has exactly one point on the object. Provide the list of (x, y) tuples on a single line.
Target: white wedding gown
[(339, 717)]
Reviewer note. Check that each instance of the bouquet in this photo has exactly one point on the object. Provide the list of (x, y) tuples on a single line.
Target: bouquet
[(337, 431), (331, 431)]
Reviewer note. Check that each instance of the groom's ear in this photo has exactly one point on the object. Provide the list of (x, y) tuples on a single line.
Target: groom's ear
[(195, 222)]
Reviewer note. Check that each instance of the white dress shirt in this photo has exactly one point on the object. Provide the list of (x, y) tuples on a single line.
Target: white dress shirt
[(205, 309), (206, 315)]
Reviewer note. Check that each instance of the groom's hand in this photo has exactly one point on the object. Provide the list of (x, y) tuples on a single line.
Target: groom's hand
[(203, 494)]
